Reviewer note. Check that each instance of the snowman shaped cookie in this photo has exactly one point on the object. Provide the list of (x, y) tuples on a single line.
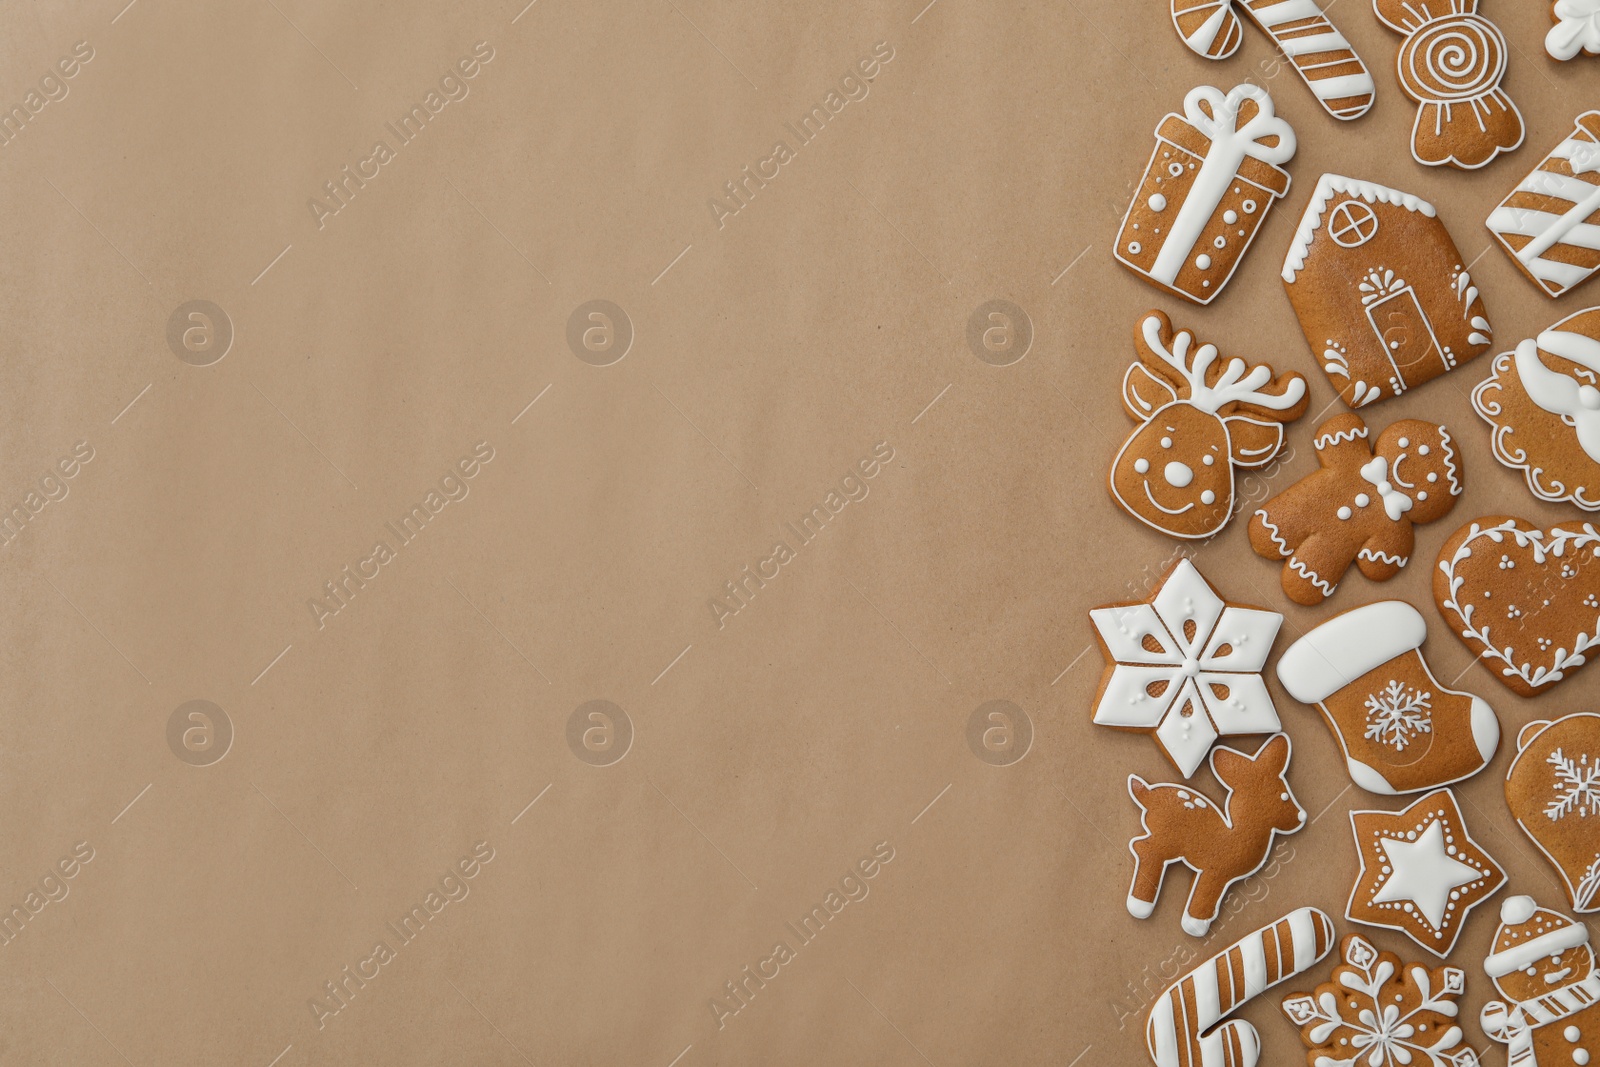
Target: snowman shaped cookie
[(1543, 965)]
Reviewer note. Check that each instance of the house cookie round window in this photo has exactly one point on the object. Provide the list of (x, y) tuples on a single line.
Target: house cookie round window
[(1352, 223)]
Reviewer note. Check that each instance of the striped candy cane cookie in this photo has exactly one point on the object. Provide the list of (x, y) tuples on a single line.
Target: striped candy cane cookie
[(1180, 1034), (1550, 224), (1320, 54)]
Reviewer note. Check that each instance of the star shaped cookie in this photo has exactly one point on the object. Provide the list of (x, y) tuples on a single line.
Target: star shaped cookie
[(1420, 871)]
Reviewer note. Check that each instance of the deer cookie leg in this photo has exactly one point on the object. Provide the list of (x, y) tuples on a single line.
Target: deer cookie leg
[(1208, 27), (1180, 1030), (1149, 870), (1205, 897), (1321, 56)]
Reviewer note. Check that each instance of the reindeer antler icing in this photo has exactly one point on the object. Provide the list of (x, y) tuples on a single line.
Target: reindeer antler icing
[(1238, 382)]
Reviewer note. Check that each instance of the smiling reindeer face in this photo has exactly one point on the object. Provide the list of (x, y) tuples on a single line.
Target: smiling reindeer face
[(1199, 418)]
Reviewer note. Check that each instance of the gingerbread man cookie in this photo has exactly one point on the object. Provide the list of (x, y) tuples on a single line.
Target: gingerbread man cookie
[(1544, 405), (1221, 844), (1451, 64), (1199, 418), (1553, 791), (1543, 965), (1378, 1012), (1360, 507), (1576, 29), (1206, 190)]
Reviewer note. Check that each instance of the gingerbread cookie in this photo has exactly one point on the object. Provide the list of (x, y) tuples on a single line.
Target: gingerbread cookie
[(1553, 791), (1220, 844), (1185, 666), (1450, 64), (1206, 190), (1421, 873), (1199, 418), (1576, 29), (1400, 730), (1542, 963), (1544, 406), (1359, 507), (1526, 600), (1378, 1012), (1321, 56), (1547, 223), (1380, 290), (1183, 1028)]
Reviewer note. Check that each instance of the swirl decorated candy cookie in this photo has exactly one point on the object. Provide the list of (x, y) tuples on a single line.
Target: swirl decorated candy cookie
[(1451, 63)]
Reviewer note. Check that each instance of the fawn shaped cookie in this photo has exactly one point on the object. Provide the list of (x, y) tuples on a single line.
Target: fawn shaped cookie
[(1183, 1029), (1322, 57), (1221, 845), (1576, 29), (1199, 417), (1542, 963), (1451, 63), (1379, 1012), (1553, 791), (1359, 507)]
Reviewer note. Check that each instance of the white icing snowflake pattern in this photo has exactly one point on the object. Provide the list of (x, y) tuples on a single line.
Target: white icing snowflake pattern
[(1187, 666), (1577, 786), (1397, 714)]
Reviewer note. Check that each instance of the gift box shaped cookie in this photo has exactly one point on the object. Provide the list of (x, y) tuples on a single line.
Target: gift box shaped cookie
[(1206, 190), (1381, 291), (1548, 222)]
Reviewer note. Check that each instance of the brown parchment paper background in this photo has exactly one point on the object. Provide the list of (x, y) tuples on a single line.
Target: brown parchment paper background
[(771, 355)]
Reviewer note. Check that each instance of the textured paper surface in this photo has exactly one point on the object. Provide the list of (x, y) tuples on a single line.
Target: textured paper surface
[(769, 357)]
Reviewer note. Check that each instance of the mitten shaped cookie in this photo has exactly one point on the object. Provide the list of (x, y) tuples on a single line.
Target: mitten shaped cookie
[(1359, 507)]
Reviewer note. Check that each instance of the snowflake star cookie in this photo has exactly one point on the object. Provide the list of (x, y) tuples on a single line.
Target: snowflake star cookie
[(1359, 507), (1400, 730), (1206, 190), (1542, 964), (1553, 791), (1186, 667), (1380, 290), (1543, 401), (1546, 224), (1576, 29), (1451, 63), (1420, 871), (1379, 1012), (1526, 600), (1199, 417)]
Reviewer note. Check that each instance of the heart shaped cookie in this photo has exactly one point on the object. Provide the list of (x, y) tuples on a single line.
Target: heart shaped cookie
[(1526, 600)]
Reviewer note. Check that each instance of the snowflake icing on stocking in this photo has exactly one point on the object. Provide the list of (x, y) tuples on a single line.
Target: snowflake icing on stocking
[(1186, 666), (1397, 714), (1577, 786)]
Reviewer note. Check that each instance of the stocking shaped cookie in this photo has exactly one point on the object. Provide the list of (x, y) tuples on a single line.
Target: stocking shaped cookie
[(1321, 56), (1542, 963), (1553, 791), (1451, 63), (1526, 600), (1576, 29), (1400, 730), (1544, 405), (1199, 417), (1360, 507)]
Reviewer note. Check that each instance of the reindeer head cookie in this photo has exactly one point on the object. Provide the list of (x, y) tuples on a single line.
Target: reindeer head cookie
[(1199, 417), (1361, 505)]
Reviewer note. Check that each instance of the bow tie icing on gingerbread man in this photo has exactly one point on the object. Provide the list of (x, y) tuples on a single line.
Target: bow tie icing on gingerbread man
[(1451, 63), (1360, 507)]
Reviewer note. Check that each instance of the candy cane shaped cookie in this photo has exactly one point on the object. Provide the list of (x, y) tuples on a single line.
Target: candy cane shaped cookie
[(1180, 1031)]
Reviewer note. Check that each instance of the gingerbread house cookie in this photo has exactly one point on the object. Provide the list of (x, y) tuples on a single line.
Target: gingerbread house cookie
[(1548, 222), (1381, 291)]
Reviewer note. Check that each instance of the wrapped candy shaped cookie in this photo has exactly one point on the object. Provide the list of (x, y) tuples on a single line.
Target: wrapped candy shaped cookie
[(1381, 291), (1542, 963), (1451, 63), (1400, 730), (1213, 175), (1547, 223), (1544, 406)]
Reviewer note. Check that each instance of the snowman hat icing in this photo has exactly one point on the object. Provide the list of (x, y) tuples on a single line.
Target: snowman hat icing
[(1528, 933)]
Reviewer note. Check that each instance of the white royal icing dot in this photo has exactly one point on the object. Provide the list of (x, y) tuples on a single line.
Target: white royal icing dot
[(1422, 495), (1230, 217), (1580, 1056), (1405, 442), (1142, 466), (1133, 248), (1433, 477), (1362, 500), (1178, 474), (1166, 442), (1209, 460), (1249, 207), (1423, 450), (1220, 242), (1158, 203), (1571, 1033), (1345, 513), (1202, 261), (1208, 497)]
